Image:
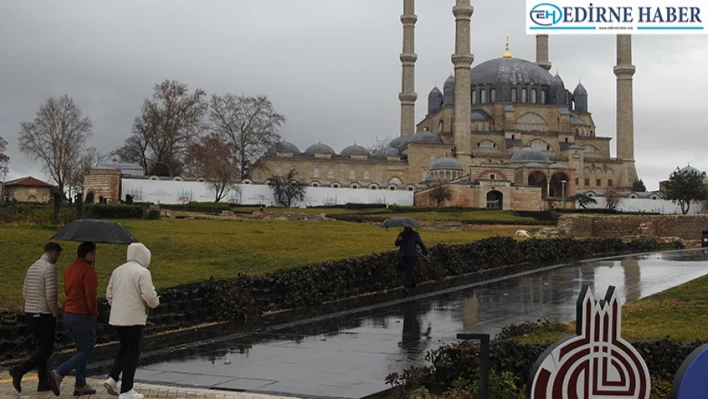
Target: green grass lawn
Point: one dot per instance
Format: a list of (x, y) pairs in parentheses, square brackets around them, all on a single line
[(680, 313), (193, 250)]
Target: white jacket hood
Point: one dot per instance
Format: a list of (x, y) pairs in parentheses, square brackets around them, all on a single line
[(140, 254)]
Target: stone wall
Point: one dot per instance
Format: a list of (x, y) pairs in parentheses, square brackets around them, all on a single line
[(29, 194), (103, 183), (465, 195), (686, 227)]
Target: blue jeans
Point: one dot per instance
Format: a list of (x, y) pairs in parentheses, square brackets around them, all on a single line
[(83, 329)]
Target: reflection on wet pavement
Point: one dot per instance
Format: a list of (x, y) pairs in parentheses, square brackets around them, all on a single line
[(349, 356)]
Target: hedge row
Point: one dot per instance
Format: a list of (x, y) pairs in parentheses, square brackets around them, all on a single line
[(247, 297), (460, 361)]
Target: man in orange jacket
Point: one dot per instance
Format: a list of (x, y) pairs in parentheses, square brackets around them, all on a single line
[(80, 312)]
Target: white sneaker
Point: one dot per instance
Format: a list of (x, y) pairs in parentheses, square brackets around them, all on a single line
[(131, 395), (111, 386)]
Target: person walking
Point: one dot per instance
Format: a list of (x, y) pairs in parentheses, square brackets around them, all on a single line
[(130, 293), (408, 242), (41, 312), (80, 313)]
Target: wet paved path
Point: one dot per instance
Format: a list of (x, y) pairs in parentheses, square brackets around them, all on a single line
[(350, 355), (149, 391)]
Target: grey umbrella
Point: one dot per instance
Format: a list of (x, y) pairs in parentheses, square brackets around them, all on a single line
[(400, 221), (97, 231)]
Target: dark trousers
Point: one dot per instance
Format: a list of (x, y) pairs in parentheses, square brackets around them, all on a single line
[(127, 360), (409, 271), (43, 329), (82, 328)]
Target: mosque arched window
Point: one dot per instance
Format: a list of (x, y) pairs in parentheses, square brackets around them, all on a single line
[(492, 95), (316, 172), (278, 170), (543, 96), (432, 157), (474, 96), (330, 173), (483, 96), (524, 96), (367, 175), (533, 96), (352, 174), (513, 95)]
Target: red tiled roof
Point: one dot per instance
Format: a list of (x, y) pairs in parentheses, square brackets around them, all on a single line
[(28, 181)]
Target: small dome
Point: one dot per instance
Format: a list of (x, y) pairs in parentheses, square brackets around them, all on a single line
[(426, 137), (558, 166), (450, 82), (691, 170), (354, 150), (319, 149), (446, 164), (387, 152), (399, 142), (435, 93), (580, 90), (575, 121), (284, 147), (526, 155), (480, 115), (557, 81)]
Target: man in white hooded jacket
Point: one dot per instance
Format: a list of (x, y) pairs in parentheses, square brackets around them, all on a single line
[(130, 294)]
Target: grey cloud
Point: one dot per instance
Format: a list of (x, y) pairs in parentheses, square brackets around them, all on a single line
[(330, 66)]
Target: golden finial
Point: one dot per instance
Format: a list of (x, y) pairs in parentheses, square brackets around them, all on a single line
[(507, 54)]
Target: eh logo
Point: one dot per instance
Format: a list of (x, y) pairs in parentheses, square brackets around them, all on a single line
[(546, 14)]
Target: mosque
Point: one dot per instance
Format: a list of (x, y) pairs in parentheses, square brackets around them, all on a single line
[(506, 133)]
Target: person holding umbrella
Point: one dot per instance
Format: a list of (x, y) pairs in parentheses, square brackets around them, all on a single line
[(41, 312), (80, 313), (408, 241)]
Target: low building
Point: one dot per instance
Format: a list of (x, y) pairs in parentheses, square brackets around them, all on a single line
[(28, 189)]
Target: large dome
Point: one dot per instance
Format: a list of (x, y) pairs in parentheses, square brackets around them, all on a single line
[(427, 137), (354, 150), (691, 170), (527, 155), (319, 149), (513, 70)]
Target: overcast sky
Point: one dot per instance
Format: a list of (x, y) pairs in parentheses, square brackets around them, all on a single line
[(330, 66)]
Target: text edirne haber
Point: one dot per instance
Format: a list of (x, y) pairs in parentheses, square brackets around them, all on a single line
[(622, 14)]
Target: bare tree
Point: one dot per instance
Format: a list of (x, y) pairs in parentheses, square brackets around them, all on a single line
[(612, 198), (56, 137), (251, 123), (287, 188), (4, 159), (583, 200), (441, 193), (91, 159), (167, 125), (213, 159)]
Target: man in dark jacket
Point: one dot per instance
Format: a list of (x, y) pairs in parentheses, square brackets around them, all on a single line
[(408, 242)]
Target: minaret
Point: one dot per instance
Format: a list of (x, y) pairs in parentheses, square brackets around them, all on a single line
[(542, 52), (624, 70), (462, 60), (408, 59)]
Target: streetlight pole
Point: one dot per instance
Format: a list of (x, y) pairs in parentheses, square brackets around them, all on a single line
[(563, 192)]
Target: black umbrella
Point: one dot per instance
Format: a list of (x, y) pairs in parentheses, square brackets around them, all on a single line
[(97, 231), (400, 221)]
